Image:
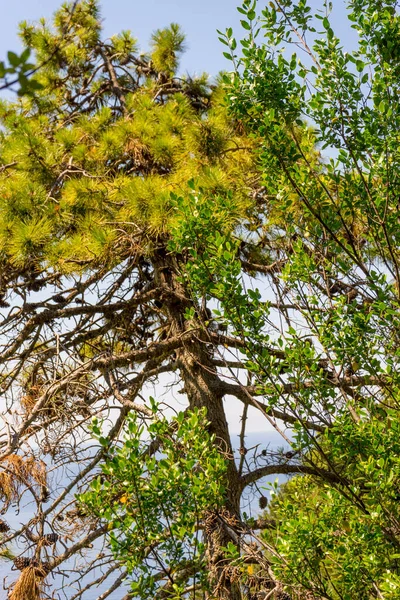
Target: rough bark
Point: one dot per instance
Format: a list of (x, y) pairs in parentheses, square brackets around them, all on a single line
[(203, 388)]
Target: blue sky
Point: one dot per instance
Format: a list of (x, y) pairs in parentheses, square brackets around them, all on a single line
[(198, 18)]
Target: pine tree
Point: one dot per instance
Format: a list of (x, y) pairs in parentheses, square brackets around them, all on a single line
[(133, 214), (94, 179)]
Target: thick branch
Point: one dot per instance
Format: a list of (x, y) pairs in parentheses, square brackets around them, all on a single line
[(285, 469), (244, 394), (274, 267)]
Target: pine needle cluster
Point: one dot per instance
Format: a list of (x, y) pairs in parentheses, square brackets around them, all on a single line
[(92, 159)]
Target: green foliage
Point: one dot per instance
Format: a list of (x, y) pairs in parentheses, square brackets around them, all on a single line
[(82, 170), (213, 269), (342, 542), (160, 200), (94, 171), (152, 503), (325, 230), (18, 72), (167, 45)]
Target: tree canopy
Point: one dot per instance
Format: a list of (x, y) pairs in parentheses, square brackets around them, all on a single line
[(94, 176), (229, 240)]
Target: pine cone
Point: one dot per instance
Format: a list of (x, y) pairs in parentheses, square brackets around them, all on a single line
[(44, 493), (262, 502), (21, 562), (290, 454), (283, 596), (43, 569), (35, 286), (50, 539), (4, 527)]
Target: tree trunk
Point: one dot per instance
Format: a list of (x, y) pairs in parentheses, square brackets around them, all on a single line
[(203, 388)]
